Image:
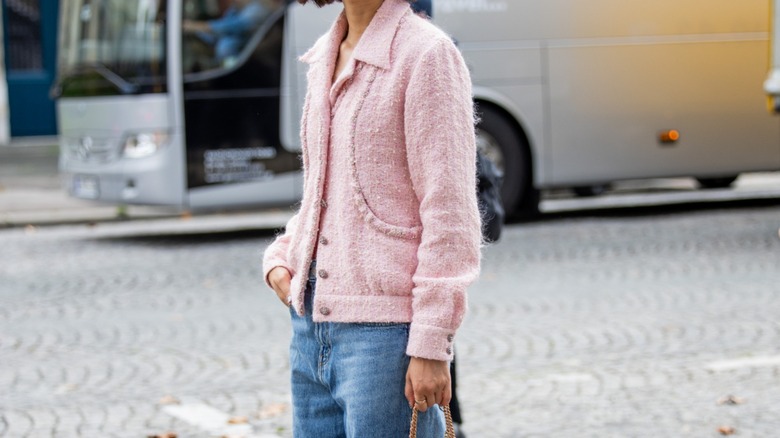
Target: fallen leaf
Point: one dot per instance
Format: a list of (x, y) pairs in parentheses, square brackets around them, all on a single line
[(65, 388), (209, 283), (271, 410), (169, 400), (727, 430), (163, 435), (731, 400), (238, 420)]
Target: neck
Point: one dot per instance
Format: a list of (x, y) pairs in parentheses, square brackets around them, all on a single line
[(359, 14)]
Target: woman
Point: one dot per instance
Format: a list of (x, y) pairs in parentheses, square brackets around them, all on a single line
[(390, 215)]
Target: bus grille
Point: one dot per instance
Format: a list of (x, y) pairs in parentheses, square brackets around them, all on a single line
[(92, 150)]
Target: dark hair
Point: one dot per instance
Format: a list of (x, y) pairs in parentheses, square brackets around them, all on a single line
[(322, 3), (319, 3)]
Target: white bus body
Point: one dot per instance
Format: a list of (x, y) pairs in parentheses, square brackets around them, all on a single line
[(570, 93), (598, 81)]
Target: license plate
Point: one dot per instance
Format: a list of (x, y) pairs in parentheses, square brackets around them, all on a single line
[(85, 186)]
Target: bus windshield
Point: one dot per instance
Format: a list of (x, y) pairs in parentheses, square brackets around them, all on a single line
[(220, 36), (111, 47)]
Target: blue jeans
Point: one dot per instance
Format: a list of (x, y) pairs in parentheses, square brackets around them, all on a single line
[(348, 380)]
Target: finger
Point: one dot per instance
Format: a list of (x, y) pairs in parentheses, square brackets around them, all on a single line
[(430, 399), (282, 297), (438, 397), (422, 404), (279, 278), (282, 289), (282, 286), (408, 391), (446, 396), (285, 285), (422, 400)]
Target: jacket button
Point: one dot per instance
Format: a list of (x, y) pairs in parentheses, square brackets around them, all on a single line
[(324, 311), (450, 338), (323, 203), (449, 350), (323, 240), (322, 273)]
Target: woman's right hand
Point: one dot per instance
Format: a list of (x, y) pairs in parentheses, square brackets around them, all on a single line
[(279, 278)]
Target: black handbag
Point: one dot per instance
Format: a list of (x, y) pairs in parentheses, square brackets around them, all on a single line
[(489, 197)]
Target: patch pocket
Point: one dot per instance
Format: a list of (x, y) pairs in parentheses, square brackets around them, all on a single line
[(382, 226), (376, 135)]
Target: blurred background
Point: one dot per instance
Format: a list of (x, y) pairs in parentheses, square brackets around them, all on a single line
[(149, 153)]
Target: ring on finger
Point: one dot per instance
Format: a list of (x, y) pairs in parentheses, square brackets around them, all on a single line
[(421, 401)]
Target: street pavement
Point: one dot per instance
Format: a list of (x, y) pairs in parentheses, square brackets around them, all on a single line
[(596, 323), (664, 324)]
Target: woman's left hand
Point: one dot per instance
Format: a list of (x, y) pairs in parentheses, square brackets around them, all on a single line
[(428, 383)]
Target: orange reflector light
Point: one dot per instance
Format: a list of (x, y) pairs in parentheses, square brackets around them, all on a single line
[(669, 136)]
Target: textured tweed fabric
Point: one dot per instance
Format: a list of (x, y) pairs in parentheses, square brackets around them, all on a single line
[(389, 205)]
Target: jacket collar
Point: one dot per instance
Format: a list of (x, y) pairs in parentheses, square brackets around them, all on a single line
[(373, 47)]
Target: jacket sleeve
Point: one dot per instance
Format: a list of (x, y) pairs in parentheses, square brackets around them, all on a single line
[(276, 253), (441, 154)]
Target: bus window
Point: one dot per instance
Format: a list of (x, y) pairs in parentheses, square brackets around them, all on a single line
[(222, 34), (111, 47)]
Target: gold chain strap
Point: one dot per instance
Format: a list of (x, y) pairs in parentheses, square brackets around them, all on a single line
[(449, 433)]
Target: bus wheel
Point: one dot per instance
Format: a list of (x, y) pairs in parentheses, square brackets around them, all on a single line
[(716, 183), (500, 142), (588, 191)]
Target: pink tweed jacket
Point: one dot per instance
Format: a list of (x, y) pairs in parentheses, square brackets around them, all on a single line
[(389, 205)]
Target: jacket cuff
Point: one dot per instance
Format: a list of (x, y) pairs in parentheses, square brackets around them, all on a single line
[(429, 342)]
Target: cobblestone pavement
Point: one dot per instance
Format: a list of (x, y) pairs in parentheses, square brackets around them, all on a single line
[(579, 327)]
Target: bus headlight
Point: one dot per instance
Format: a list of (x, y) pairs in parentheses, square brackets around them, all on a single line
[(143, 144)]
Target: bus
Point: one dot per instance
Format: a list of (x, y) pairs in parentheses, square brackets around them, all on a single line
[(570, 94), (772, 83)]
